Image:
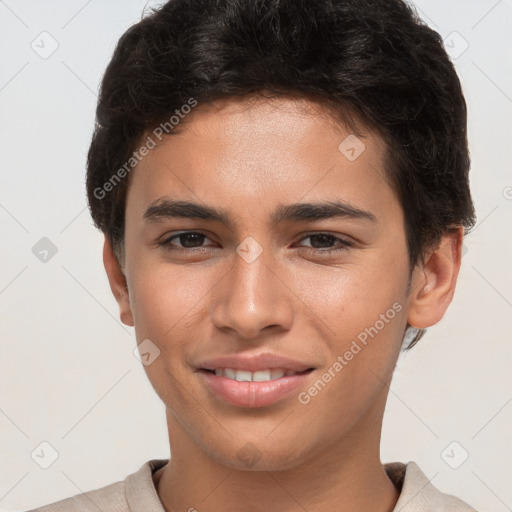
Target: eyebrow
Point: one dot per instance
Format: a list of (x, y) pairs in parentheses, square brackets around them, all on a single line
[(166, 208)]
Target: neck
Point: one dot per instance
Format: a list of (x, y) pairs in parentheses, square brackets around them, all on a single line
[(345, 476)]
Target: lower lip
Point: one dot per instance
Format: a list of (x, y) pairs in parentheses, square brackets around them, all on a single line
[(254, 394)]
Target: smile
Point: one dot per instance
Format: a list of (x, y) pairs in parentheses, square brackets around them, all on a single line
[(258, 376), (243, 388)]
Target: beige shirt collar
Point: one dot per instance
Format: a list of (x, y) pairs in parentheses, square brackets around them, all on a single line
[(417, 494)]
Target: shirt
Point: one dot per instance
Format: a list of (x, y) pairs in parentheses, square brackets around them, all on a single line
[(137, 493)]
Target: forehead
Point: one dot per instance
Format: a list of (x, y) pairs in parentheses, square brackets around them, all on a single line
[(249, 154)]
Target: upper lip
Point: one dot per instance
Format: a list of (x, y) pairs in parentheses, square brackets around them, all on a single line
[(254, 362)]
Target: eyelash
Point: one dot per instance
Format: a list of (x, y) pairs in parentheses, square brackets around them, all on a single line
[(346, 244)]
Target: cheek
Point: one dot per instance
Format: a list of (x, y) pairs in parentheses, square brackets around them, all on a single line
[(166, 302), (362, 322), (351, 299), (166, 299)]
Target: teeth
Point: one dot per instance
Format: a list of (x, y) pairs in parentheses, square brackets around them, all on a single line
[(262, 375), (259, 376), (277, 373), (243, 376), (229, 373)]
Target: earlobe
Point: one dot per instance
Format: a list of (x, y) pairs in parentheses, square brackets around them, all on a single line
[(433, 283), (117, 282)]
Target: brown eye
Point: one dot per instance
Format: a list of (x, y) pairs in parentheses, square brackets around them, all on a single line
[(323, 243), (187, 240)]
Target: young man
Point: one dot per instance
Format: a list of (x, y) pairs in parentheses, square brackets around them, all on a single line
[(283, 189)]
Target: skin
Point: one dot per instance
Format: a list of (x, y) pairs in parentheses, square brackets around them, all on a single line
[(248, 156)]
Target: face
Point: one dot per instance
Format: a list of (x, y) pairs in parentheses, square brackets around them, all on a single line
[(249, 273)]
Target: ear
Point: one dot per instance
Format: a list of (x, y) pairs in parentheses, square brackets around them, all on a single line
[(117, 282), (433, 282)]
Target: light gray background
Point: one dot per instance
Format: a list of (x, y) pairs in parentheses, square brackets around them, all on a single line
[(68, 373)]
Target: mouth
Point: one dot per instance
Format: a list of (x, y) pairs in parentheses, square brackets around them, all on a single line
[(246, 389), (257, 376)]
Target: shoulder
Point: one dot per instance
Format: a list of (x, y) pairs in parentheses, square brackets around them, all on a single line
[(417, 494), (110, 497), (123, 496)]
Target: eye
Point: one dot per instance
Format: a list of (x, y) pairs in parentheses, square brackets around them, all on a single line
[(321, 243), (187, 239), (325, 241)]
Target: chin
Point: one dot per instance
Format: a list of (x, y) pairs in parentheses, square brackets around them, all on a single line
[(251, 458)]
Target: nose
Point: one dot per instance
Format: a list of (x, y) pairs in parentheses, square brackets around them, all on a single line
[(252, 297)]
